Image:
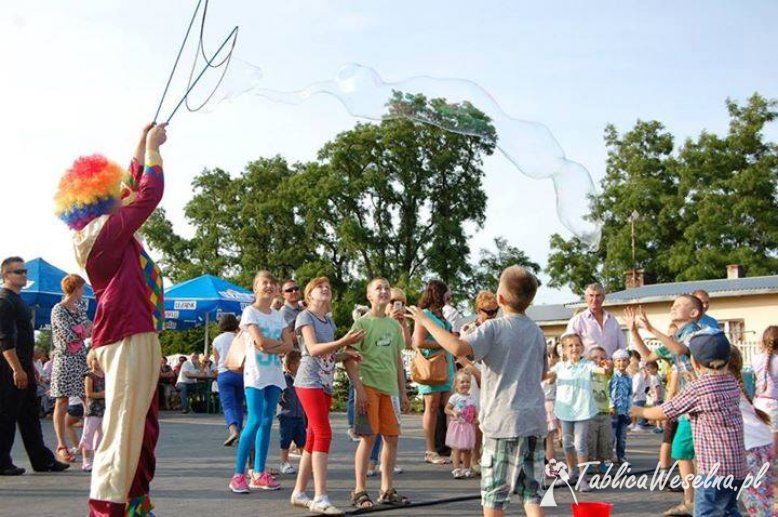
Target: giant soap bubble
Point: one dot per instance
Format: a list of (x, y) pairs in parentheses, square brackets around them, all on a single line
[(529, 146)]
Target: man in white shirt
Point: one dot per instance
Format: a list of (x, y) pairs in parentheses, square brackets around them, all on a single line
[(186, 378)]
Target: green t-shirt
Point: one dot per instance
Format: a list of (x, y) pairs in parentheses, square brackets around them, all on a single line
[(380, 349), (600, 392)]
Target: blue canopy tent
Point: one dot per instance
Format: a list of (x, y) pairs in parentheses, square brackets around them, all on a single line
[(43, 291), (201, 300)]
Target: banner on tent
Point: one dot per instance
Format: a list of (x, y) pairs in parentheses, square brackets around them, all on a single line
[(185, 305)]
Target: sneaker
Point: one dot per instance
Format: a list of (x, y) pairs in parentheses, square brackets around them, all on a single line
[(300, 500), (86, 468), (467, 473), (238, 484), (396, 470), (263, 481), (323, 506), (684, 509), (583, 486), (658, 430), (457, 473), (352, 436), (287, 468), (371, 473)]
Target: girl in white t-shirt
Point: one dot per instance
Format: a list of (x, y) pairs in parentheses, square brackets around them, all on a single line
[(758, 438), (460, 436), (266, 336)]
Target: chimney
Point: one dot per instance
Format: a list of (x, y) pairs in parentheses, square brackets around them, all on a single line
[(637, 278), (735, 271)]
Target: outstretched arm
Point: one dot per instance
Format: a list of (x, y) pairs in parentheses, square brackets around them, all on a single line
[(448, 341)]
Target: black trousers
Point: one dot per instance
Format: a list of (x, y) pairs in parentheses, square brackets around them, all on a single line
[(21, 407)]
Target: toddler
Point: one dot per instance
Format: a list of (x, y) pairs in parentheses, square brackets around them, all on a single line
[(461, 407), (291, 419), (94, 387)]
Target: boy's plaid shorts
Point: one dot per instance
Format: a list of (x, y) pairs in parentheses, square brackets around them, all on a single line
[(511, 466)]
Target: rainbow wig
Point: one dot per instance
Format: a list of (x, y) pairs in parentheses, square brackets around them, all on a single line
[(89, 189)]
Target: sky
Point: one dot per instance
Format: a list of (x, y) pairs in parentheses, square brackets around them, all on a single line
[(83, 77)]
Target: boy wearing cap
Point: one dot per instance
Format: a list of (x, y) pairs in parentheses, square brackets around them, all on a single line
[(620, 389), (712, 404)]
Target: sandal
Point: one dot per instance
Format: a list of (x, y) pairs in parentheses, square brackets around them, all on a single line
[(361, 500), (64, 455), (392, 498)]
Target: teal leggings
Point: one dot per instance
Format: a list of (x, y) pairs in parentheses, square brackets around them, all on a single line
[(261, 410)]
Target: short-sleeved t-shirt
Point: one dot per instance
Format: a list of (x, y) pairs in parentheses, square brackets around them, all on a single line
[(315, 372), (260, 369), (600, 393), (574, 400), (380, 349), (289, 314), (512, 350), (187, 367), (460, 402), (221, 344)]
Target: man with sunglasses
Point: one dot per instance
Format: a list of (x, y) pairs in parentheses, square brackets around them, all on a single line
[(292, 306), (595, 325), (18, 390)]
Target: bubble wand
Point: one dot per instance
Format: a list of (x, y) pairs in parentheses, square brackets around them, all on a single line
[(209, 62)]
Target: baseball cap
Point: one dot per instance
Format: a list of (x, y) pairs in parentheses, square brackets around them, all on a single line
[(711, 348), (620, 354)]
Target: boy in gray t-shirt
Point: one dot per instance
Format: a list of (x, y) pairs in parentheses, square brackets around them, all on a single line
[(513, 419)]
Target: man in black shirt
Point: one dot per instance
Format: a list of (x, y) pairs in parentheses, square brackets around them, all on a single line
[(17, 377)]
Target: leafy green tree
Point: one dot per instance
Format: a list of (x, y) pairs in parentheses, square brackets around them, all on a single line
[(490, 264), (710, 203)]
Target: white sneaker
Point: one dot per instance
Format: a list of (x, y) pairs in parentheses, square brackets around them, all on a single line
[(287, 468), (583, 486), (300, 500), (352, 436), (397, 469)]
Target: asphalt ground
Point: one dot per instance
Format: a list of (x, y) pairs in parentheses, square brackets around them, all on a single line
[(194, 468)]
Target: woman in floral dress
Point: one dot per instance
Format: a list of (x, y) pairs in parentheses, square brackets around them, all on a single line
[(70, 327)]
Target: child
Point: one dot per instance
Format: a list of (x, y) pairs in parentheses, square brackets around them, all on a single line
[(759, 447), (291, 418), (266, 336), (677, 438), (379, 385), (655, 390), (712, 403), (461, 427), (575, 405), (94, 386), (639, 387), (549, 392), (600, 443), (620, 389), (512, 351)]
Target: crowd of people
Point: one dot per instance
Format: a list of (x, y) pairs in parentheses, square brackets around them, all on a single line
[(498, 400)]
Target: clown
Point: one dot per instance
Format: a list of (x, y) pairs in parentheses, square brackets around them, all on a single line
[(106, 206)]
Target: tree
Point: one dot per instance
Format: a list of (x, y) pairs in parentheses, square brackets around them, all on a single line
[(390, 199), (491, 263), (708, 204)]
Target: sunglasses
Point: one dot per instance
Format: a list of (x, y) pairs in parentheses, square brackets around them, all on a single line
[(489, 312), (291, 289), (18, 271)]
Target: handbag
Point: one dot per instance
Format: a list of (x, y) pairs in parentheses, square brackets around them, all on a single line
[(236, 355), (430, 371)]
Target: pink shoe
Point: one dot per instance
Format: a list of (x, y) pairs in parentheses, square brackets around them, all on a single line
[(264, 481), (238, 484)]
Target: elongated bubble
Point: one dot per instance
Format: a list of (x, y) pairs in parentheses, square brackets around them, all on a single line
[(529, 146)]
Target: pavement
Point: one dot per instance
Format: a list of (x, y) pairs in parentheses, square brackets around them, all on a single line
[(194, 468)]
